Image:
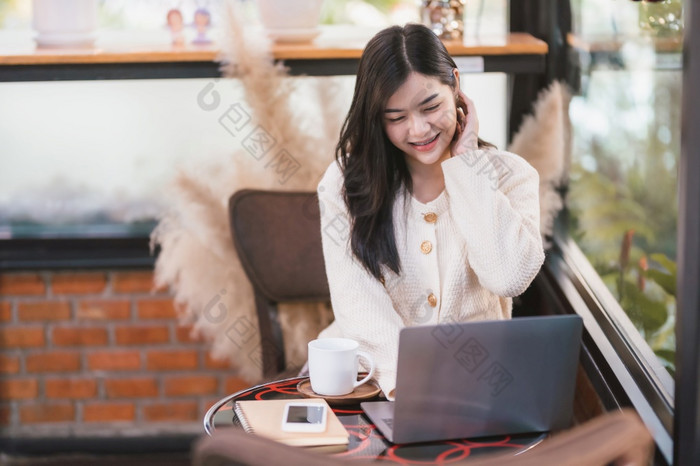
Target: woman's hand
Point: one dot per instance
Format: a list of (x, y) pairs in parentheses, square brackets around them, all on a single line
[(467, 132)]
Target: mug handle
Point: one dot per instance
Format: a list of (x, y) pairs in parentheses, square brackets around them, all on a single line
[(362, 354)]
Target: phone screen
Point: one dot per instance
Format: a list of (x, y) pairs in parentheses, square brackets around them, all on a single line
[(305, 414)]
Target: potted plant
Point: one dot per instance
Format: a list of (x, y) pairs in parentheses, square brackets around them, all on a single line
[(65, 23), (290, 20)]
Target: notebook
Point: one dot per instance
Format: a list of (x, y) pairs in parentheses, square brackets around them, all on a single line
[(264, 418), (476, 379)]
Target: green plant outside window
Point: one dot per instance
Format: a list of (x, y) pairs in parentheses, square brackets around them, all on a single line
[(623, 190)]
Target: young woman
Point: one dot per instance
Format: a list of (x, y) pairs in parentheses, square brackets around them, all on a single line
[(422, 222)]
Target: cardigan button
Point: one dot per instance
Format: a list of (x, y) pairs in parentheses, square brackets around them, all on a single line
[(426, 247), (430, 217), (432, 300)]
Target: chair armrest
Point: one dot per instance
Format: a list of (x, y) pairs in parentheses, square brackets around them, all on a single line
[(233, 446), (619, 438)]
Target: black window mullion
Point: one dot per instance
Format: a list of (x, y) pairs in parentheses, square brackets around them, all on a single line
[(687, 413)]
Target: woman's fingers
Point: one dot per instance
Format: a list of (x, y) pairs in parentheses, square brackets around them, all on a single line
[(461, 121), (468, 138), (462, 103), (472, 119)]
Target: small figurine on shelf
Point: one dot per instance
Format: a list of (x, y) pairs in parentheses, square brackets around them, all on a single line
[(202, 21), (176, 26), (444, 17)]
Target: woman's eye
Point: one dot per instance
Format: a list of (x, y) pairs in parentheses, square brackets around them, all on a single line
[(393, 120), (434, 107)]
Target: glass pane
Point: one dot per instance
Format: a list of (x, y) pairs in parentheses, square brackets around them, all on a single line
[(626, 148), (94, 158)]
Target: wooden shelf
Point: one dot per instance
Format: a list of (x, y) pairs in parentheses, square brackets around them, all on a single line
[(607, 44), (607, 50), (335, 51)]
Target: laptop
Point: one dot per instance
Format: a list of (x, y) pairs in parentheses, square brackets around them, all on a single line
[(477, 379)]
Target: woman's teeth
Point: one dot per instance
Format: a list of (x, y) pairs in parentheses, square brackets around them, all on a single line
[(426, 142)]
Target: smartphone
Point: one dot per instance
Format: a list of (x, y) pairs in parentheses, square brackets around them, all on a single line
[(304, 417)]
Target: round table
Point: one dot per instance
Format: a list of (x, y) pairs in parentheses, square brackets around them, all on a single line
[(366, 441)]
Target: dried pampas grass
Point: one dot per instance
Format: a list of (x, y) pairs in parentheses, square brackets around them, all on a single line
[(544, 140), (197, 258)]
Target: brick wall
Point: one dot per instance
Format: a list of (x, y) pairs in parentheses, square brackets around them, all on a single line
[(82, 348)]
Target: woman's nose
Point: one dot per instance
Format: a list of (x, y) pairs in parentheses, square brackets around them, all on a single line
[(418, 126)]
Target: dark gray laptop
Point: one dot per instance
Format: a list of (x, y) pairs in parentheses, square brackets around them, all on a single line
[(478, 379)]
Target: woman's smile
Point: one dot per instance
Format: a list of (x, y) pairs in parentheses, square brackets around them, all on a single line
[(427, 144)]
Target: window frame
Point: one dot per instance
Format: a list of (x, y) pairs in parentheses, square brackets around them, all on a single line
[(127, 252), (622, 376), (687, 415)]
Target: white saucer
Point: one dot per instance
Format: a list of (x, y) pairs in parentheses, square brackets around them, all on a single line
[(292, 35)]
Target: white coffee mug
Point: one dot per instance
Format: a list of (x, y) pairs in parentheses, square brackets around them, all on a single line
[(333, 366)]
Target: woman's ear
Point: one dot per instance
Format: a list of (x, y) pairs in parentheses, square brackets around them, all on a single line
[(455, 72)]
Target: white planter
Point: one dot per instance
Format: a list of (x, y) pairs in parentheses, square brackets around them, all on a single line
[(65, 23), (290, 20)]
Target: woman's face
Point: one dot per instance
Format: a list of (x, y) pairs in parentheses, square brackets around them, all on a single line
[(420, 120)]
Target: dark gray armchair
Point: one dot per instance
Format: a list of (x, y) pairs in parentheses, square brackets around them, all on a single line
[(277, 236)]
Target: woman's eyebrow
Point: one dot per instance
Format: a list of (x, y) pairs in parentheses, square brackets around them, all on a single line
[(425, 101)]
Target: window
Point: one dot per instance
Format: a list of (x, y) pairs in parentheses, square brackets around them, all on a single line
[(623, 191), (626, 147), (93, 159)]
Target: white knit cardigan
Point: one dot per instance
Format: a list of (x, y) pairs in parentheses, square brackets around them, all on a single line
[(481, 248)]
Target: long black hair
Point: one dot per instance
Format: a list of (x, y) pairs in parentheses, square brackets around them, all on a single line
[(374, 169)]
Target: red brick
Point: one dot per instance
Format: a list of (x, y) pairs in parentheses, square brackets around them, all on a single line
[(78, 283), (114, 360), (5, 413), (9, 364), (27, 337), (132, 282), (211, 363), (79, 336), (171, 360), (131, 388), (54, 361), (173, 411), (5, 311), (141, 335), (46, 412), (43, 311), (70, 388), (156, 309), (22, 284), (102, 309), (191, 385), (18, 389), (235, 384), (108, 412)]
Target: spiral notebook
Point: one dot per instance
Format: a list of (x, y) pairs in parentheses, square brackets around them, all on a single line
[(264, 418)]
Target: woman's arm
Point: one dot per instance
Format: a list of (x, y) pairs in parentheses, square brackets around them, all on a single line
[(494, 199), (362, 307)]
